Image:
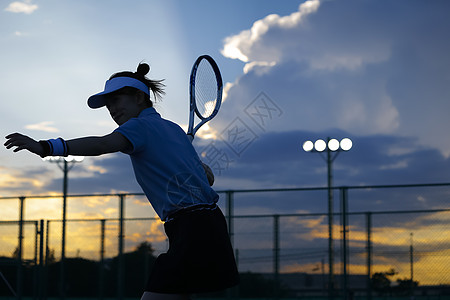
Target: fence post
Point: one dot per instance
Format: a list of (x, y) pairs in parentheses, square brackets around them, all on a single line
[(411, 264), (120, 273), (20, 249), (41, 261), (229, 215), (102, 259), (276, 254), (344, 220), (35, 261), (369, 254), (229, 203), (46, 262)]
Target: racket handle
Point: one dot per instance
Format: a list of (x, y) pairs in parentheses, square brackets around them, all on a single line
[(191, 137)]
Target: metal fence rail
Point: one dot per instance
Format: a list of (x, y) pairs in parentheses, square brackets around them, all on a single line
[(286, 250)]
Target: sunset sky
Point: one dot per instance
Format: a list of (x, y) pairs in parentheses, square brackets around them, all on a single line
[(375, 71)]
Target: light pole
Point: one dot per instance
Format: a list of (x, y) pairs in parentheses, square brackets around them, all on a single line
[(65, 164), (332, 147)]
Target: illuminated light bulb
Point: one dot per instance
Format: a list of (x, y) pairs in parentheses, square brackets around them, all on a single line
[(346, 144), (333, 145), (320, 145), (308, 146)]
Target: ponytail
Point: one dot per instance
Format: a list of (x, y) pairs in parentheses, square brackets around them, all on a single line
[(156, 86)]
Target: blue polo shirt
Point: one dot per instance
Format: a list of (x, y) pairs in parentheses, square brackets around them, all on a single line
[(166, 164)]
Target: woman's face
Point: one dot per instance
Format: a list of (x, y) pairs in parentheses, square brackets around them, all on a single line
[(123, 107)]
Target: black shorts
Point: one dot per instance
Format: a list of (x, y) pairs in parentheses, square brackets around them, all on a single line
[(200, 257)]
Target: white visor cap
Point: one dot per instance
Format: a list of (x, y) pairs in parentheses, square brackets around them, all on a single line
[(115, 84)]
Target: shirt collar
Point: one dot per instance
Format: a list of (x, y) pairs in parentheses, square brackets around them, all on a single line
[(148, 111)]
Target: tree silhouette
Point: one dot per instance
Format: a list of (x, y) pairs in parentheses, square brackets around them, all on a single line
[(405, 286), (137, 267), (381, 282)]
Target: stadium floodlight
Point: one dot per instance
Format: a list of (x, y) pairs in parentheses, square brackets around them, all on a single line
[(70, 158), (332, 147), (331, 144)]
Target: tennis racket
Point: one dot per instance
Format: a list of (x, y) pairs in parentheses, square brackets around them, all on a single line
[(205, 93)]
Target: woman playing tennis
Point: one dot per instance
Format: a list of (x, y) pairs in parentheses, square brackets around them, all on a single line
[(200, 257)]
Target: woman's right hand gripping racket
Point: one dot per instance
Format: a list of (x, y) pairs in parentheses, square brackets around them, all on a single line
[(205, 92)]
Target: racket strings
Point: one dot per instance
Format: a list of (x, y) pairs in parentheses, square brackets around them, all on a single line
[(206, 89)]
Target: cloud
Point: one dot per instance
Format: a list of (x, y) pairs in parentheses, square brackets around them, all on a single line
[(43, 126), (112, 173), (33, 180), (156, 233), (276, 159), (348, 65), (19, 33), (243, 46), (25, 7)]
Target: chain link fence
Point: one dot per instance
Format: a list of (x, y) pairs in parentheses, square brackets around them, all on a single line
[(386, 241)]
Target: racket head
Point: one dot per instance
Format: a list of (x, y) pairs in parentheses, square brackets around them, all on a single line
[(205, 91)]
